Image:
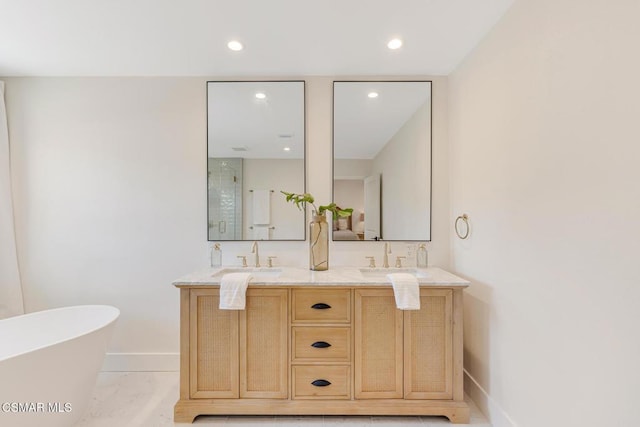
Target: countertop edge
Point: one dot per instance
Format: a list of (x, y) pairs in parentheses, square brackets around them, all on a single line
[(337, 277), (318, 285)]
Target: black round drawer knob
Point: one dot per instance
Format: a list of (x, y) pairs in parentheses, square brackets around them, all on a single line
[(320, 306), (320, 344), (320, 383)]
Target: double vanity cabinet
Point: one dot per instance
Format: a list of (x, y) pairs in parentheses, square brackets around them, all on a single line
[(321, 343)]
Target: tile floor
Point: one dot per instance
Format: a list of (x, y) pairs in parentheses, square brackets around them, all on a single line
[(146, 399)]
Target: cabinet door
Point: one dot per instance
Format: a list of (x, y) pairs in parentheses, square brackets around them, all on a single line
[(264, 344), (213, 358), (428, 344), (378, 345)]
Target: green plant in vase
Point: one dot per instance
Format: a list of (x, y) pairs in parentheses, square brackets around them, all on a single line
[(318, 228)]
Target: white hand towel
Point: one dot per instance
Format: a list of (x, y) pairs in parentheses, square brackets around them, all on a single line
[(233, 288), (261, 207), (260, 232), (406, 291)]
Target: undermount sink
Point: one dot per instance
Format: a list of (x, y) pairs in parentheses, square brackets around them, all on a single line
[(257, 272), (377, 273)]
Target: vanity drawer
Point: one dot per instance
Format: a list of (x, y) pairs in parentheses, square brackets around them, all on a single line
[(317, 343), (320, 382), (321, 306)]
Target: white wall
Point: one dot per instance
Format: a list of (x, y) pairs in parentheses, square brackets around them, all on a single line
[(351, 168), (545, 148), (349, 193), (402, 179), (277, 175), (110, 183)]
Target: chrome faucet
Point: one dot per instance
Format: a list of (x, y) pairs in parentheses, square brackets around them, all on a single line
[(254, 250), (385, 257)]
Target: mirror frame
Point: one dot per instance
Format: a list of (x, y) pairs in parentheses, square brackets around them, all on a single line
[(304, 158), (333, 141)]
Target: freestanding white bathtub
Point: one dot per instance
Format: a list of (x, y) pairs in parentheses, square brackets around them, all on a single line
[(49, 362)]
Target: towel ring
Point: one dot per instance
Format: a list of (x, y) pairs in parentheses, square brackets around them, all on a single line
[(465, 219)]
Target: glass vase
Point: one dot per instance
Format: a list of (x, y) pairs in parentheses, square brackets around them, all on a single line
[(318, 243)]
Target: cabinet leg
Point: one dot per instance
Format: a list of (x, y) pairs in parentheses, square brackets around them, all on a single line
[(182, 413), (458, 416)]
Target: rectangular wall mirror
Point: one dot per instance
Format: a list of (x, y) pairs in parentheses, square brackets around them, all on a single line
[(382, 159), (255, 149)]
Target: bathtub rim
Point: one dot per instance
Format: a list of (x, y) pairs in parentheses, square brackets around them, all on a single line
[(114, 311)]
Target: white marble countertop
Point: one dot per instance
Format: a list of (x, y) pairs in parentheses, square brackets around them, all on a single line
[(335, 276)]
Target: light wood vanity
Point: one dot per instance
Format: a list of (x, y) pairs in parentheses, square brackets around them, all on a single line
[(318, 348)]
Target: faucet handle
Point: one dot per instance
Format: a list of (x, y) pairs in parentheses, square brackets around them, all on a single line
[(372, 261), (244, 260), (399, 261), (270, 260)]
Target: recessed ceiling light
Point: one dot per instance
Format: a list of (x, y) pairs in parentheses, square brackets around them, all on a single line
[(260, 95), (394, 44), (287, 149), (235, 45), (373, 94)]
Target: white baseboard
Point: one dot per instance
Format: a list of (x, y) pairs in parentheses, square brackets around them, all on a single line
[(494, 413), (141, 362)]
